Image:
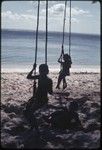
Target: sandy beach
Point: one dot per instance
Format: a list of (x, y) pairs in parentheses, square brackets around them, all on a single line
[(16, 90)]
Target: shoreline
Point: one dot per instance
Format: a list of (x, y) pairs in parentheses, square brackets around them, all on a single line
[(54, 70)]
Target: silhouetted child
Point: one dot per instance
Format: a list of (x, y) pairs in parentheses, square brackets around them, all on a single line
[(65, 66), (65, 118), (41, 95), (44, 84)]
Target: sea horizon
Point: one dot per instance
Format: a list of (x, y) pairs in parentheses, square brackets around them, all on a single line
[(50, 31)]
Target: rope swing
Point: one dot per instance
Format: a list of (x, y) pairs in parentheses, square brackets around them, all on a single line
[(64, 25), (70, 30), (46, 31), (36, 42), (64, 19), (36, 48), (65, 59)]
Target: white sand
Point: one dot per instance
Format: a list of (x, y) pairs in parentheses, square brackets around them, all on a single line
[(83, 87)]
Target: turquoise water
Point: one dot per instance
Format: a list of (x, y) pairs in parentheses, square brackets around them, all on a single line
[(18, 50)]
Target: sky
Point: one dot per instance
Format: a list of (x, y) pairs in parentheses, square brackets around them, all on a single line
[(23, 15)]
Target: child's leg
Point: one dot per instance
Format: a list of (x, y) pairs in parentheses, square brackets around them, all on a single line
[(59, 80), (64, 80), (64, 83)]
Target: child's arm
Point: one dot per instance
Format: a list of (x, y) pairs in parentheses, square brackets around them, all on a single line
[(30, 76), (62, 53), (59, 60)]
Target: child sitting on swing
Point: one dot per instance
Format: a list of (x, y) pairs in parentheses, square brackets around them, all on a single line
[(44, 84), (41, 95), (65, 66)]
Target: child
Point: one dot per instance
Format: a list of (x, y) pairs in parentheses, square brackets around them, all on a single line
[(44, 84), (65, 65), (41, 95)]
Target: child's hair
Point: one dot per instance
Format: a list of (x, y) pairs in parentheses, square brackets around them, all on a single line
[(66, 57), (43, 69)]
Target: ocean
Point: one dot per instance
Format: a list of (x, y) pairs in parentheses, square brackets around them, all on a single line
[(18, 51)]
